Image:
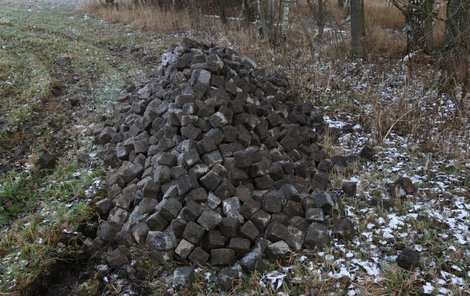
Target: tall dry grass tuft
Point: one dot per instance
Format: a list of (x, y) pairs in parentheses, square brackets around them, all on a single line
[(439, 28), (335, 11), (383, 14), (144, 18), (384, 26), (312, 65), (384, 42)]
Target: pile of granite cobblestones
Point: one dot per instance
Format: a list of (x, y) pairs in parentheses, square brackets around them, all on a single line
[(217, 161)]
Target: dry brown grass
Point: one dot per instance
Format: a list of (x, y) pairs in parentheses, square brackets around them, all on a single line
[(300, 53), (381, 13), (336, 12), (439, 28), (143, 18), (384, 24), (384, 42)]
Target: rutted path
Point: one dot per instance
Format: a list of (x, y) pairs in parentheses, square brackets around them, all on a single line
[(59, 69), (50, 3), (75, 63)]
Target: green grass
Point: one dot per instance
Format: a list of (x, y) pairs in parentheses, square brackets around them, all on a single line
[(46, 50), (399, 282), (49, 56), (21, 193), (14, 190), (51, 206)]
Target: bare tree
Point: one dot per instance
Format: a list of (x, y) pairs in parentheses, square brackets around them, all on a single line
[(345, 4), (193, 13), (285, 18), (263, 19), (223, 15), (457, 34), (358, 30), (457, 44), (317, 9), (248, 11), (419, 15), (273, 19), (321, 18)]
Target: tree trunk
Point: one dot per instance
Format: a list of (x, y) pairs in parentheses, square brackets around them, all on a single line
[(416, 22), (419, 16), (358, 31), (321, 18), (317, 13), (458, 25), (285, 18), (193, 13), (248, 11), (457, 42), (431, 14), (263, 19), (271, 9), (223, 16)]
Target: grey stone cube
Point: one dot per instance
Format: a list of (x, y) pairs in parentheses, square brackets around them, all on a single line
[(169, 208), (184, 248), (139, 232), (315, 215), (161, 241), (276, 232), (249, 207), (223, 256), (183, 276), (240, 245), (214, 239), (193, 232), (316, 236), (261, 219), (229, 226), (211, 180), (278, 250), (252, 261), (199, 256), (209, 219), (249, 231)]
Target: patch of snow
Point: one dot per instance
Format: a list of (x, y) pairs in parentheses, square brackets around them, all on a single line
[(371, 268), (428, 288)]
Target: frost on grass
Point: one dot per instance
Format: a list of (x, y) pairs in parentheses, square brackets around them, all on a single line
[(434, 222), (435, 219)]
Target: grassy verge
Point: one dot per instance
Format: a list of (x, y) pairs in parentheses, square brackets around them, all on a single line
[(56, 215), (55, 64), (59, 69)]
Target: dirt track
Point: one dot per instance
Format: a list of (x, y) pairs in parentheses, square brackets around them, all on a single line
[(54, 3), (60, 68)]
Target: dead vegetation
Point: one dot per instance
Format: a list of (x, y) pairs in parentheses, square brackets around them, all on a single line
[(317, 59), (320, 70), (387, 95)]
